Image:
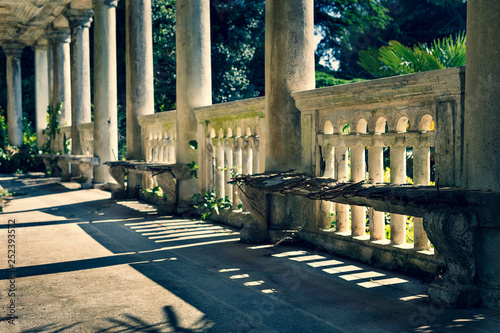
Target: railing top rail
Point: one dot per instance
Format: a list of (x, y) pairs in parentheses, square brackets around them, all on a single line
[(86, 126), (245, 107), (427, 85), (157, 118)]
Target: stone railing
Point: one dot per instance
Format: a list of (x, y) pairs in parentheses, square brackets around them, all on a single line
[(231, 138), (356, 132), (158, 136), (86, 132), (158, 141)]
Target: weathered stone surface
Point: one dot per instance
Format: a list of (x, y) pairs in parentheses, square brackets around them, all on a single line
[(451, 232)]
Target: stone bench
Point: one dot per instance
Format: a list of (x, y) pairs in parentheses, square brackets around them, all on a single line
[(166, 177), (85, 164)]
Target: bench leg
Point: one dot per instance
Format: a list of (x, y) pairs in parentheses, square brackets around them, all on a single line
[(118, 174), (168, 184), (64, 165), (48, 164), (87, 170)]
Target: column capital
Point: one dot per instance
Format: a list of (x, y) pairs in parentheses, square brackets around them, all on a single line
[(79, 17), (61, 35), (110, 3), (13, 49)]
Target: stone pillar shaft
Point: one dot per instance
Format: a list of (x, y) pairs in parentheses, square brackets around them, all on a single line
[(41, 91), (289, 67), (481, 123), (62, 74), (14, 94), (105, 87), (194, 80), (140, 87), (80, 74)]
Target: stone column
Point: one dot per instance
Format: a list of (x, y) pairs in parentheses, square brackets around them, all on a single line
[(14, 93), (60, 39), (481, 123), (79, 21), (41, 89), (289, 67), (105, 87), (194, 82), (140, 85)]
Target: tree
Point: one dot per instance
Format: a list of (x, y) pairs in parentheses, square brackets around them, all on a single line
[(343, 24), (397, 59), (411, 22), (237, 39)]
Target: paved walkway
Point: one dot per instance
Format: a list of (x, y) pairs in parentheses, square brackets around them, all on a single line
[(84, 263)]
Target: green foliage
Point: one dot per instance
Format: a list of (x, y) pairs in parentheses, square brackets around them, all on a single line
[(193, 144), (397, 59), (342, 24), (53, 127), (19, 159), (193, 169), (237, 39), (3, 131), (206, 204), (164, 52), (324, 79)]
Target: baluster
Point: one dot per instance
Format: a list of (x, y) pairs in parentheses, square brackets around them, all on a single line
[(237, 162), (341, 165), (398, 176), (165, 148), (228, 162), (358, 173), (376, 171), (210, 167), (327, 207), (255, 154), (219, 169), (171, 150), (247, 160), (421, 176)]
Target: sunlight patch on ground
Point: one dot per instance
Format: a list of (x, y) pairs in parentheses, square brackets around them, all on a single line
[(325, 263), (288, 254), (307, 258), (384, 282), (359, 276), (342, 269)]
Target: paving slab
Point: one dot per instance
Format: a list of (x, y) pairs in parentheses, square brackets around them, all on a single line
[(87, 263)]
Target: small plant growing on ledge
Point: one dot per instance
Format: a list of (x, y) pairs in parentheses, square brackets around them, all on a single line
[(206, 204)]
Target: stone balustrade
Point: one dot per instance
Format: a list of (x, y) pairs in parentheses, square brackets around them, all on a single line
[(355, 132), (230, 140), (86, 132), (158, 136)]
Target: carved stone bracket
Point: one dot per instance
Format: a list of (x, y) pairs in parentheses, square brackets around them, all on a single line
[(168, 184), (87, 170), (254, 200), (118, 174), (451, 232), (64, 165)]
